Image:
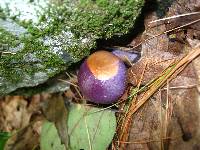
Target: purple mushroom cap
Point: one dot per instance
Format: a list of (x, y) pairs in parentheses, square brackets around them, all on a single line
[(132, 57), (102, 90)]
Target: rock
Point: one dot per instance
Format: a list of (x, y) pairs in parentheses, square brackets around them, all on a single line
[(40, 39)]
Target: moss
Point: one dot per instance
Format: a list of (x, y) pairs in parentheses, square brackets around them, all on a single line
[(2, 14), (7, 39), (88, 19), (104, 18), (75, 25), (49, 59), (13, 67), (100, 18)]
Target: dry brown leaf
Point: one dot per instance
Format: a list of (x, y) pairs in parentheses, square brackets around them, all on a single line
[(171, 116), (26, 138), (55, 111)]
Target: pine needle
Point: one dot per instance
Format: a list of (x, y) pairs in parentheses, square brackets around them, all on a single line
[(168, 74)]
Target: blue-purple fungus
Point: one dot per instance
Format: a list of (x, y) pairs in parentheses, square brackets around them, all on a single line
[(102, 78), (125, 55)]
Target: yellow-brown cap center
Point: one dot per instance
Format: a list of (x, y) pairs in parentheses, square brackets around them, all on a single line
[(103, 64)]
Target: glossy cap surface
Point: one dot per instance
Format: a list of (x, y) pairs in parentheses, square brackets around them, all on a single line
[(103, 65), (102, 78)]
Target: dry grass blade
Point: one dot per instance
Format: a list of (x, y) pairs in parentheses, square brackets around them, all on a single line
[(178, 67), (173, 17), (4, 52), (88, 133), (149, 141), (126, 120), (161, 121), (78, 121), (170, 73), (182, 87), (168, 31), (72, 82), (68, 82)]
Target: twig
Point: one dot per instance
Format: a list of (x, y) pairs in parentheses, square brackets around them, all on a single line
[(89, 142), (182, 87), (168, 31), (183, 62), (173, 17), (161, 122), (68, 82), (149, 141), (4, 52), (171, 72)]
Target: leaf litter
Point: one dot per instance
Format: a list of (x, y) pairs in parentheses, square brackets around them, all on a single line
[(175, 111), (161, 113)]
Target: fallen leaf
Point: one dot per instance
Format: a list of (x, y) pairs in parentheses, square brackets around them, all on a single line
[(171, 116), (89, 129), (55, 111)]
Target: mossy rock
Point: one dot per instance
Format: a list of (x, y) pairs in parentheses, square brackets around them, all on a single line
[(39, 39)]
